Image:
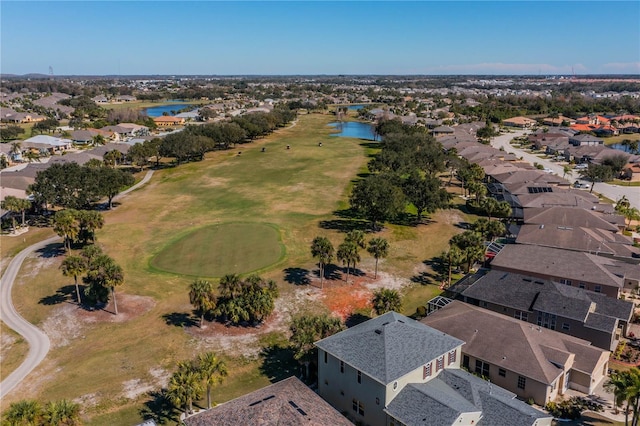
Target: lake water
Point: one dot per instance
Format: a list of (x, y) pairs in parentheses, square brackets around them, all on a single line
[(354, 129), (621, 147), (355, 107), (157, 111)]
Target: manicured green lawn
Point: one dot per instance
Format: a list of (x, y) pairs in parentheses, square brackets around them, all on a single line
[(230, 248), (617, 139)]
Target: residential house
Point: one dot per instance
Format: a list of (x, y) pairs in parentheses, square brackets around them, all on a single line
[(571, 310), (531, 361), (87, 136), (551, 143), (590, 240), (584, 139), (168, 121), (521, 122), (442, 130), (580, 269), (558, 121), (392, 370), (584, 154), (47, 143), (571, 217), (631, 172), (288, 402)]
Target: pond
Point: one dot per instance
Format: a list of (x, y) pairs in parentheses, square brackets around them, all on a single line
[(621, 147), (354, 129), (168, 108)]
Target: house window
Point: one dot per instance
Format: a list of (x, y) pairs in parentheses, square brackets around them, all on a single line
[(482, 368), (522, 316), (565, 326), (502, 372), (452, 357), (426, 371), (483, 304), (342, 366), (465, 361), (325, 358), (359, 376), (582, 285), (522, 382), (598, 289), (547, 320), (564, 281), (440, 363), (358, 407)]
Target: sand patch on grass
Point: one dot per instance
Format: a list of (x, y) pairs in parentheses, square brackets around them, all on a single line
[(6, 343)]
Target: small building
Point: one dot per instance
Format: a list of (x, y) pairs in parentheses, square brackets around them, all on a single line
[(584, 139), (392, 370), (168, 121), (521, 122), (530, 361), (286, 403)]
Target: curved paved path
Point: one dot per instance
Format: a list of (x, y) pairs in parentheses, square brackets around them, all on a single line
[(37, 340)]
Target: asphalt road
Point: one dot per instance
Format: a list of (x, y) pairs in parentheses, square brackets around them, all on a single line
[(613, 192), (37, 340)]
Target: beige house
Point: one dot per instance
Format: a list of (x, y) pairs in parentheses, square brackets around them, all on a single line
[(521, 122), (392, 370), (168, 121), (531, 361)]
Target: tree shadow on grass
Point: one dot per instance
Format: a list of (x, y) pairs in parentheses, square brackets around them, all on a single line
[(297, 276), (51, 250), (438, 271), (180, 319), (63, 294), (159, 409), (278, 363)]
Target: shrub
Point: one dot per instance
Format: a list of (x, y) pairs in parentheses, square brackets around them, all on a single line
[(421, 312)]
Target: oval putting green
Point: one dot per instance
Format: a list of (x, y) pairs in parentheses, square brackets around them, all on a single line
[(230, 248)]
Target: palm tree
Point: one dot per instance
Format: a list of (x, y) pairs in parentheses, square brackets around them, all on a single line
[(322, 249), (567, 170), (90, 221), (378, 248), (14, 205), (386, 300), (16, 148), (32, 156), (73, 266), (493, 207), (357, 237), (66, 224), (114, 277), (62, 413), (25, 412), (184, 387), (230, 286), (619, 383), (348, 254), (212, 370), (201, 296), (454, 257), (99, 140)]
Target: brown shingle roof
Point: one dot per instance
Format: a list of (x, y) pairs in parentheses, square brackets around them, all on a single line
[(519, 346), (286, 403)]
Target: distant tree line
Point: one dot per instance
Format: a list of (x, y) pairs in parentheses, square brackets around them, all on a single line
[(195, 141)]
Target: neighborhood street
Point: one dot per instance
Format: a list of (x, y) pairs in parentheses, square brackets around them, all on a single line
[(613, 192)]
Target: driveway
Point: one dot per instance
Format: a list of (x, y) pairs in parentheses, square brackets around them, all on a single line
[(613, 192)]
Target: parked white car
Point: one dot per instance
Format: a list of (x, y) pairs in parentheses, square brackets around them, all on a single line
[(582, 166)]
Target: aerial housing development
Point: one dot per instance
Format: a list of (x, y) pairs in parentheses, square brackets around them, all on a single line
[(305, 213)]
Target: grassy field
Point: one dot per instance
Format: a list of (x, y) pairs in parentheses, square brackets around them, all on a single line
[(149, 104), (617, 139), (110, 363), (230, 248), (13, 350)]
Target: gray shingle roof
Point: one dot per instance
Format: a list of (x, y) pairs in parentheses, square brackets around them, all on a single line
[(389, 346), (286, 403), (535, 294), (441, 400)]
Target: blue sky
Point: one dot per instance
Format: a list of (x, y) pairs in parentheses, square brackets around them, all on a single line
[(360, 37)]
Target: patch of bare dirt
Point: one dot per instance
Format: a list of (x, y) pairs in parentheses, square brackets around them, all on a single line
[(34, 264), (62, 326), (6, 343), (32, 385), (88, 400), (132, 389), (130, 306), (450, 217)]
